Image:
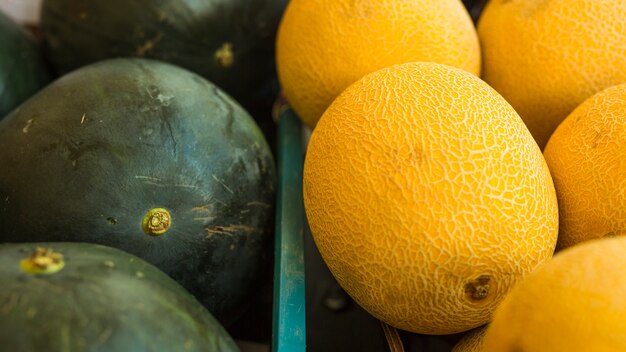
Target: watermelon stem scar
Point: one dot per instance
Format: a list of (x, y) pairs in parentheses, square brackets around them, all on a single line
[(156, 222), (42, 261), (224, 55)]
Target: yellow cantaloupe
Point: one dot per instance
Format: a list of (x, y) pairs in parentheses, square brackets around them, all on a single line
[(586, 157), (323, 46), (547, 57), (574, 302), (427, 197)]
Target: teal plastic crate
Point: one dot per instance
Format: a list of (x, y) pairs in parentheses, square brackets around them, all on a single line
[(289, 315)]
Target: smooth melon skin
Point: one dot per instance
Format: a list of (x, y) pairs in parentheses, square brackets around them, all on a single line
[(586, 158), (22, 69), (102, 299), (547, 57), (323, 46), (229, 42), (88, 157), (575, 302), (427, 197)]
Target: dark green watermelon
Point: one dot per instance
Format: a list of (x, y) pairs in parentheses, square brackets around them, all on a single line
[(87, 297), (229, 42), (22, 70), (91, 156)]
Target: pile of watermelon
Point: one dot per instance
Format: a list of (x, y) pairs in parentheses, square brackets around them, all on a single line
[(137, 189)]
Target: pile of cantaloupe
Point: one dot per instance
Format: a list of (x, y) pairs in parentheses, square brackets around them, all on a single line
[(448, 162)]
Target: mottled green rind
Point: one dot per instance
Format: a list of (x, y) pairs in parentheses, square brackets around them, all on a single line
[(86, 158), (184, 32), (102, 300), (22, 70)]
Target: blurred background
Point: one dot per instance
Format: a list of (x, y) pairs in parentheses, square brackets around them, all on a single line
[(24, 11)]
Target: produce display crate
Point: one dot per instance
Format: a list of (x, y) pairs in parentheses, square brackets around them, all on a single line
[(323, 318), (289, 315), (311, 311)]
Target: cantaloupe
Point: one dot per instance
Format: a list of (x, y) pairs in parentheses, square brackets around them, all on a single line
[(547, 57), (427, 197), (586, 158), (325, 45), (575, 302)]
